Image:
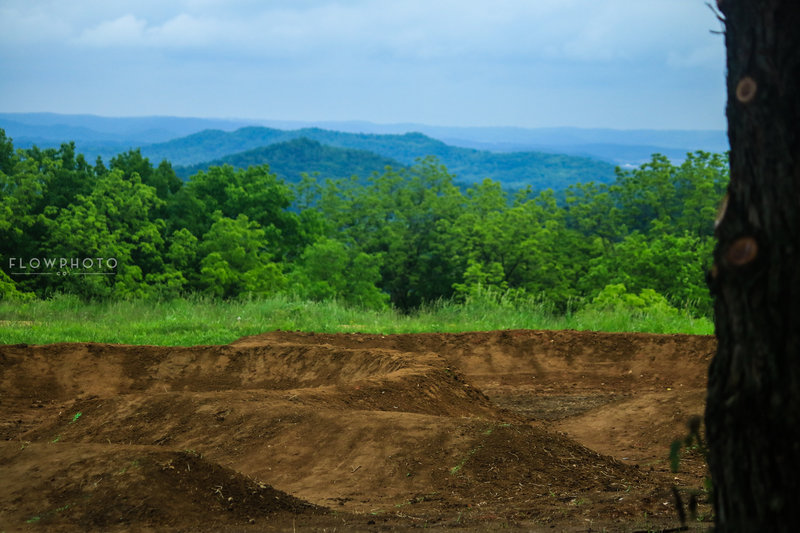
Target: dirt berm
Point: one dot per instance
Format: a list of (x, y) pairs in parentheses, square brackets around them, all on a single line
[(289, 431)]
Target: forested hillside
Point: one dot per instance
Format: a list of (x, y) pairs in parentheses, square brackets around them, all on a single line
[(403, 237), (107, 136), (291, 159), (368, 152), (516, 169)]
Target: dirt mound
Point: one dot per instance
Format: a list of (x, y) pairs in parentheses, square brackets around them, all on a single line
[(102, 488), (559, 360), (473, 430), (622, 393), (62, 372)]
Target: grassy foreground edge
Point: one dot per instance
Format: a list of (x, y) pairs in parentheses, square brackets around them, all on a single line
[(199, 320)]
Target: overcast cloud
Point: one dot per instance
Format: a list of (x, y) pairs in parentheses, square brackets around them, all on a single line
[(609, 63)]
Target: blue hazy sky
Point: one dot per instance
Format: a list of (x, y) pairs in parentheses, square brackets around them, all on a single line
[(530, 63)]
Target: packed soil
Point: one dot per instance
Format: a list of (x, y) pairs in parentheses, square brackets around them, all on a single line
[(290, 431)]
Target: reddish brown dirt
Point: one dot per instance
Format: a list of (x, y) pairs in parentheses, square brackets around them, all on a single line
[(539, 430)]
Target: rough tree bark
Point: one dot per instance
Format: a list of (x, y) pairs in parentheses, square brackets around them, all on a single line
[(753, 405)]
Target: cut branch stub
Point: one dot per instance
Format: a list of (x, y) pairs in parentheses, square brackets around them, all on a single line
[(746, 90), (743, 251)]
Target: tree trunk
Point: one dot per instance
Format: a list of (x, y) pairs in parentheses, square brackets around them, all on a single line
[(753, 405)]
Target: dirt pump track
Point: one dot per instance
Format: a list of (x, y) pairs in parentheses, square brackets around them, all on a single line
[(291, 431)]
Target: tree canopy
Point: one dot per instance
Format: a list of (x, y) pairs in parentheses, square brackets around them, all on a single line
[(405, 236)]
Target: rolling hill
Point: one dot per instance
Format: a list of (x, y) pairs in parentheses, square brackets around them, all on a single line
[(107, 136), (513, 169), (541, 157), (289, 159)]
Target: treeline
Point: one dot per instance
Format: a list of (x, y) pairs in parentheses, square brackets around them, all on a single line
[(403, 237)]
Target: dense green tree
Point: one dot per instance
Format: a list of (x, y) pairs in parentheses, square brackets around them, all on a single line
[(701, 183), (181, 266), (522, 246), (682, 198), (21, 206), (254, 192), (593, 210), (7, 155), (9, 290), (110, 223), (132, 162), (235, 260), (161, 178), (647, 193), (479, 277), (328, 270), (396, 215), (182, 251), (38, 183), (408, 234), (616, 297), (65, 175), (672, 265)]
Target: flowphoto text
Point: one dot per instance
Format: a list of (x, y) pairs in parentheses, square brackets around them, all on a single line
[(62, 266)]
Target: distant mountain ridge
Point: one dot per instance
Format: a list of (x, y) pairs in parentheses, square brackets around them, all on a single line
[(290, 159), (622, 147), (106, 136), (515, 170), (543, 157), (51, 127)]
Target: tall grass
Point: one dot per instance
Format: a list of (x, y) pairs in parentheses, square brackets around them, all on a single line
[(200, 320)]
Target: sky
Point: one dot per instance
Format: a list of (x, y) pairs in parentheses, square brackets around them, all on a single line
[(644, 64)]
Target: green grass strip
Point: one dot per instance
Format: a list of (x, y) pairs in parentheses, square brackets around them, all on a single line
[(199, 320)]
